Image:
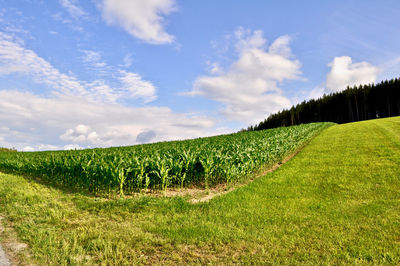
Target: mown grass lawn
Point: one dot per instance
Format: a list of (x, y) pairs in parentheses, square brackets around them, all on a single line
[(337, 201)]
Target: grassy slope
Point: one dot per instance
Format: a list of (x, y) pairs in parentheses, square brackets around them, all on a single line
[(337, 201)]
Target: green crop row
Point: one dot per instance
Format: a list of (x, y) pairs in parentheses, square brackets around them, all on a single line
[(198, 162)]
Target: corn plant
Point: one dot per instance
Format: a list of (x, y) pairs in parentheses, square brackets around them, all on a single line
[(208, 161)]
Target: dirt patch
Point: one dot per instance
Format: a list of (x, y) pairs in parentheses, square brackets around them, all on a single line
[(3, 258), (12, 247)]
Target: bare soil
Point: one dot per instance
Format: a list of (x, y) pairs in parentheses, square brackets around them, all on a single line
[(11, 246)]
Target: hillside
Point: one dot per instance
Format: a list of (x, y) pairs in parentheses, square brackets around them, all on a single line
[(335, 202)]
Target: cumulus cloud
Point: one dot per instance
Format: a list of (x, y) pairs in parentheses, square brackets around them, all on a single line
[(14, 58), (246, 39), (141, 19), (79, 134), (33, 120), (281, 46), (345, 73), (249, 88)]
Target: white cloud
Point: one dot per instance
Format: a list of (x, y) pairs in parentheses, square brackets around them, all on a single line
[(136, 87), (84, 114), (316, 93), (249, 89), (42, 147), (82, 134), (128, 60), (14, 58), (79, 134), (47, 147), (72, 147), (33, 120), (345, 73), (74, 10), (93, 58), (28, 148), (70, 23), (281, 46), (214, 68), (142, 19), (249, 40)]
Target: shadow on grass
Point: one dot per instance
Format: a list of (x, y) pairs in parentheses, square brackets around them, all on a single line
[(111, 203)]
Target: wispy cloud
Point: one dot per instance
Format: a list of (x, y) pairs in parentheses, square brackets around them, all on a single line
[(72, 8), (15, 58), (128, 61), (93, 58), (74, 25)]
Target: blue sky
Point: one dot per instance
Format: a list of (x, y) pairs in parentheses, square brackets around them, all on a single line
[(78, 74)]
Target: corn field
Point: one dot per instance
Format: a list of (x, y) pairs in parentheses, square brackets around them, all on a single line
[(200, 162)]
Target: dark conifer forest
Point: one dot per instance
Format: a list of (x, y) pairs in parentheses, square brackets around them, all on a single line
[(353, 104)]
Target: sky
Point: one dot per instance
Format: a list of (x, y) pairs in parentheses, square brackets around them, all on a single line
[(99, 73)]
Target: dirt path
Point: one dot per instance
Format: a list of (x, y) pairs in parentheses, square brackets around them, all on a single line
[(12, 245), (3, 259)]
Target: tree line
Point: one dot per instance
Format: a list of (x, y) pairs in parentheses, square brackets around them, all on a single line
[(356, 103), (6, 149)]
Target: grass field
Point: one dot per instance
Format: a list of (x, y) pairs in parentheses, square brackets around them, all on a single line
[(337, 201)]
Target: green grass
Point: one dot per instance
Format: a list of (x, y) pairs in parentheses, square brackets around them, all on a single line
[(336, 202)]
